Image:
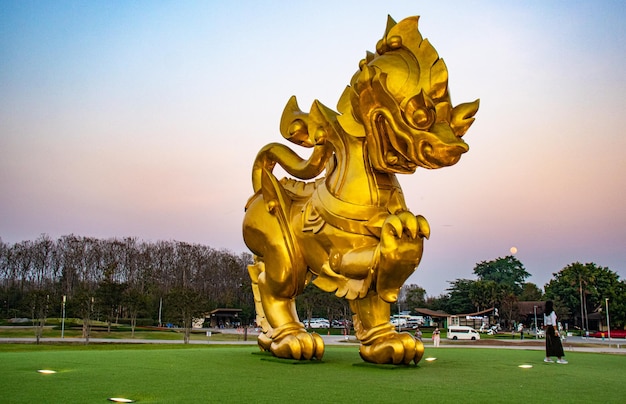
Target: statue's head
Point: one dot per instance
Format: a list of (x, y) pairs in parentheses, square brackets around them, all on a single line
[(399, 101)]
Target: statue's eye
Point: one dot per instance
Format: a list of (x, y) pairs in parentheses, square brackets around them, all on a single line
[(422, 118), (418, 114)]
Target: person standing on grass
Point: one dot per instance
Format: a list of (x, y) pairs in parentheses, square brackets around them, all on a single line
[(436, 337), (553, 340)]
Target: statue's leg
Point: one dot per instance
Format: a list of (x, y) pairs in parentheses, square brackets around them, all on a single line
[(380, 342), (279, 274), (279, 285), (255, 270)]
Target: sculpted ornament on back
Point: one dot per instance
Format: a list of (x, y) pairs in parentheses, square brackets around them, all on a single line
[(350, 231)]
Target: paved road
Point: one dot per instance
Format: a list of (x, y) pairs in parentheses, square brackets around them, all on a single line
[(572, 344)]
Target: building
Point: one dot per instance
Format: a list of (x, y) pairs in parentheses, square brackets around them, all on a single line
[(474, 320), (224, 318)]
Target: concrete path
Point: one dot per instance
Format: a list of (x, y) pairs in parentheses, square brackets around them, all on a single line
[(572, 344)]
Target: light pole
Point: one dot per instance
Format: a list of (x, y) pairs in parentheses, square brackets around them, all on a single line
[(63, 320), (536, 326), (160, 309), (608, 325)]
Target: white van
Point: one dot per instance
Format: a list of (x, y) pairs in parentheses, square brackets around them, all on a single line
[(462, 332)]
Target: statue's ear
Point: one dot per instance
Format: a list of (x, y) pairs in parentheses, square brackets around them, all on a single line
[(463, 117)]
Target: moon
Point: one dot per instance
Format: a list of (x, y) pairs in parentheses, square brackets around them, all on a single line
[(513, 250)]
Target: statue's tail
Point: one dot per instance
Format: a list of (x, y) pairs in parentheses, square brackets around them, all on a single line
[(309, 130)]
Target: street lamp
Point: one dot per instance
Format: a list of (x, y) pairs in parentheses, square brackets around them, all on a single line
[(160, 309), (608, 326), (536, 327)]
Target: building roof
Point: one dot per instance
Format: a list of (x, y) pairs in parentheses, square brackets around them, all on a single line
[(225, 311), (432, 313), (478, 313), (439, 314), (527, 308)]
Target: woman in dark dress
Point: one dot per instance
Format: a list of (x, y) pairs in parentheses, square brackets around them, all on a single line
[(553, 340)]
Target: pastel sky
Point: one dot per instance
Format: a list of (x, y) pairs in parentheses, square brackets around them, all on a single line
[(143, 118)]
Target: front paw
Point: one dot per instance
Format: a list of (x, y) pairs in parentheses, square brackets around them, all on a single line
[(395, 348), (400, 251), (299, 345)]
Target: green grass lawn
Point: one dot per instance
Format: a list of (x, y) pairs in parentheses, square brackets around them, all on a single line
[(173, 334), (241, 373)]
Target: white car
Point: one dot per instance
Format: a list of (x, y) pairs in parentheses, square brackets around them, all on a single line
[(317, 323)]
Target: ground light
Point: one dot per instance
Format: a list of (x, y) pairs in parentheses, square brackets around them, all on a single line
[(46, 371), (430, 359), (525, 366), (121, 400)]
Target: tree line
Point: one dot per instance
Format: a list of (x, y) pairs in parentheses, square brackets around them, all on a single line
[(113, 279), (578, 291), (153, 283)]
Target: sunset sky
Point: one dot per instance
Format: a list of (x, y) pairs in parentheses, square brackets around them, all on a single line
[(142, 119)]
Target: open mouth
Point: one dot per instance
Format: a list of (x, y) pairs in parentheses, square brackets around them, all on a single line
[(395, 147), (402, 151)]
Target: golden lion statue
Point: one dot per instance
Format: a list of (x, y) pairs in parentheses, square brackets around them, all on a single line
[(350, 231)]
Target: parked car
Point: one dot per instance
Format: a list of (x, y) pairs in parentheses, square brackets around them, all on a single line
[(317, 323), (340, 323), (413, 324)]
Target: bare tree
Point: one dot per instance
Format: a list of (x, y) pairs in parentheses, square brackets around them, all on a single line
[(40, 281), (138, 268)]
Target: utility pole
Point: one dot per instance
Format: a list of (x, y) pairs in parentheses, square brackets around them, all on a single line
[(608, 325), (536, 325), (63, 319)]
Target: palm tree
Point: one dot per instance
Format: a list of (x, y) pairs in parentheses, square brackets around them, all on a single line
[(584, 277)]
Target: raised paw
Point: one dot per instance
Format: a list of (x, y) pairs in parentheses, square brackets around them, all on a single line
[(399, 253), (393, 348)]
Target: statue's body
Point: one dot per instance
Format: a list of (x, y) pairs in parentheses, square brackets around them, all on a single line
[(350, 231)]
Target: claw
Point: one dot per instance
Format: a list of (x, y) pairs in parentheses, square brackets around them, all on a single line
[(424, 227), (391, 231), (396, 225), (411, 224), (289, 347), (264, 342), (319, 346)]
